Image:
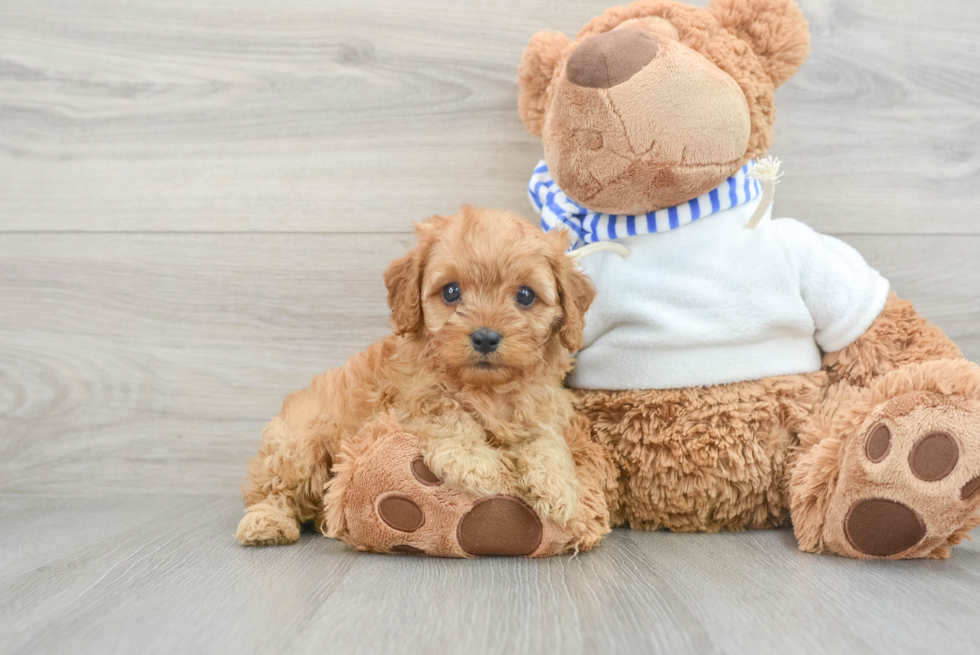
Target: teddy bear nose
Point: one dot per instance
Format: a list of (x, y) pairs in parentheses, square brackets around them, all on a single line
[(611, 58)]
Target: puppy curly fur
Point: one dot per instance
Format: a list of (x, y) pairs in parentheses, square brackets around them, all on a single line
[(477, 416)]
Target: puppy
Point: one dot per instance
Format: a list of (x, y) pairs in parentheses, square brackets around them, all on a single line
[(486, 311)]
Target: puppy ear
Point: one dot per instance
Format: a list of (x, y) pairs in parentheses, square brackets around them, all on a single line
[(403, 280), (575, 293), (534, 75), (777, 30)]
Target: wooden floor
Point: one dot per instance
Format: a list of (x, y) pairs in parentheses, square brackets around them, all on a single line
[(197, 201), (162, 574)]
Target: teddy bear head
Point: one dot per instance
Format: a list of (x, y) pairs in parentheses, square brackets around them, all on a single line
[(658, 102)]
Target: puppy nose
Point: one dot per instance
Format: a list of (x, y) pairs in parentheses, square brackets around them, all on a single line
[(485, 340), (605, 60)]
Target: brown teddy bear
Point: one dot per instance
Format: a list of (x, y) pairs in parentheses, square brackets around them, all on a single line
[(738, 372), (743, 372)]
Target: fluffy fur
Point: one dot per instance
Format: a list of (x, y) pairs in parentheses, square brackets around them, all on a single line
[(478, 418), (706, 459)]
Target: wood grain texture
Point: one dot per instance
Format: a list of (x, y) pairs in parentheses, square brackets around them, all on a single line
[(163, 574), (339, 116), (197, 201), (151, 361)]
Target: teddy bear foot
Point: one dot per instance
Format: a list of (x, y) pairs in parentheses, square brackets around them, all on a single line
[(909, 484), (385, 499), (884, 526)]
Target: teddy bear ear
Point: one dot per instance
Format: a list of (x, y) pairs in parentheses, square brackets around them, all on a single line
[(777, 30), (535, 73)]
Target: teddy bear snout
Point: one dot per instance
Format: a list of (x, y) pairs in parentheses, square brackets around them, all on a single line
[(611, 58)]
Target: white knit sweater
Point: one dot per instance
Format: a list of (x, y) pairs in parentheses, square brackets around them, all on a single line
[(714, 303)]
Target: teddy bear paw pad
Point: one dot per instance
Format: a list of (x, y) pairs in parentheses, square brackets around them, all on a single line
[(934, 457), (881, 528), (401, 513), (500, 525), (424, 474), (970, 489), (913, 482)]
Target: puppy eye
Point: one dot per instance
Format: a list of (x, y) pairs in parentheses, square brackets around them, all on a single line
[(450, 292), (525, 297)]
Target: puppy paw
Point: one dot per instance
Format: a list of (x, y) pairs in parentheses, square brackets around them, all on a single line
[(267, 525), (553, 498), (548, 479), (475, 470)]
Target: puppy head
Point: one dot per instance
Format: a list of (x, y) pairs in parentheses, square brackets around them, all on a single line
[(491, 297)]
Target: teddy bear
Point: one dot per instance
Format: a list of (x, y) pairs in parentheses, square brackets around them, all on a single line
[(737, 372), (742, 372)]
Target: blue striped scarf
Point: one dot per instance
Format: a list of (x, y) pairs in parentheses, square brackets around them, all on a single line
[(558, 210)]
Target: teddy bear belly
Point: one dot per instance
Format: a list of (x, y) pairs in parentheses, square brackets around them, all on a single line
[(702, 459)]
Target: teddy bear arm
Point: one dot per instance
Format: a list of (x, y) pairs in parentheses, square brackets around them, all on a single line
[(898, 337)]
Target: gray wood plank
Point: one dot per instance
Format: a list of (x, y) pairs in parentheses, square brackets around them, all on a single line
[(337, 116), (148, 363), (162, 575), (151, 362), (136, 353)]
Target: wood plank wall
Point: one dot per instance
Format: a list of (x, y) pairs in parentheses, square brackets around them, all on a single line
[(197, 200)]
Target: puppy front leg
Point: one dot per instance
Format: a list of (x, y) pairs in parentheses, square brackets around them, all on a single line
[(547, 476), (455, 449)]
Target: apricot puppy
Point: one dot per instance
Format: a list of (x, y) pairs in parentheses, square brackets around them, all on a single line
[(486, 311)]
